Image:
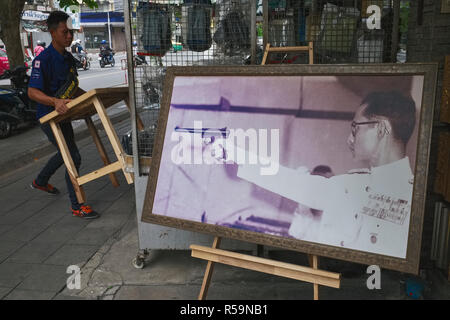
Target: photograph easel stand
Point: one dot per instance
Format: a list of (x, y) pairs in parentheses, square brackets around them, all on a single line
[(313, 274), (287, 270)]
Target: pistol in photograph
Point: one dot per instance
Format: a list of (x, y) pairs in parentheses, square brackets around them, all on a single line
[(206, 132)]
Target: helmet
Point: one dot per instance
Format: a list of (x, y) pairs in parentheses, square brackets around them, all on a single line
[(78, 41), (103, 41), (43, 44), (39, 43)]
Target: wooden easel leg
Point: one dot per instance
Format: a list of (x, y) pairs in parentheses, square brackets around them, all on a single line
[(315, 265), (311, 52), (68, 161), (266, 54), (208, 273), (101, 149), (112, 135)]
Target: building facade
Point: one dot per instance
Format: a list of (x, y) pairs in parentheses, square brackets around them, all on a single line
[(104, 23)]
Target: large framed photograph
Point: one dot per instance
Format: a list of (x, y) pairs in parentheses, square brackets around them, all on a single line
[(326, 160)]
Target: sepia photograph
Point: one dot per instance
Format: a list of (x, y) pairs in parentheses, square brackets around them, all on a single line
[(324, 159)]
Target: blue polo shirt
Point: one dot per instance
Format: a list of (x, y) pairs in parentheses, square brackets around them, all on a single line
[(49, 73)]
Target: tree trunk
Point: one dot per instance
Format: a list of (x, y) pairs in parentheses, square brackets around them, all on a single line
[(10, 16)]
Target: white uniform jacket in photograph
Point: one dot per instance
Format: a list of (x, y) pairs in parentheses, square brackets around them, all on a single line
[(367, 209)]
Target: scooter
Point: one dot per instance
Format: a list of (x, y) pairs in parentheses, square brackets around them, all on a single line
[(105, 59), (81, 62), (16, 109), (139, 60)]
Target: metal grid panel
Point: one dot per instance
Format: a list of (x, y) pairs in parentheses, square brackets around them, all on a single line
[(176, 33), (341, 30), (217, 32)]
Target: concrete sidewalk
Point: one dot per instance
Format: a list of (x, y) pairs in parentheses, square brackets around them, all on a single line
[(39, 240)]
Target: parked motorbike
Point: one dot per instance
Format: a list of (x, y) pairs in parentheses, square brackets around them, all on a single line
[(105, 59), (80, 62), (139, 60), (16, 108)]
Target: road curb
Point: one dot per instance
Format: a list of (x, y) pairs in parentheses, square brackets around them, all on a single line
[(28, 156)]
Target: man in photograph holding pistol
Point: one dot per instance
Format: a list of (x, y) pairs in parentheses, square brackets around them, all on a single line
[(365, 209)]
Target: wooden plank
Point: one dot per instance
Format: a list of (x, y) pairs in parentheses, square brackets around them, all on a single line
[(101, 149), (309, 48), (111, 133), (266, 54), (208, 273), (68, 161), (277, 268), (315, 262), (289, 49), (83, 102), (113, 167)]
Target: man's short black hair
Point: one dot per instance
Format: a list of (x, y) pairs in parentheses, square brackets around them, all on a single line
[(398, 109), (55, 18)]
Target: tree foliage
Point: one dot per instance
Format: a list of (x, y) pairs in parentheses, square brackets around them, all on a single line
[(10, 15), (67, 3)]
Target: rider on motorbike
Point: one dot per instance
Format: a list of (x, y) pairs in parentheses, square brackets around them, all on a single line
[(106, 51), (78, 52), (40, 46)]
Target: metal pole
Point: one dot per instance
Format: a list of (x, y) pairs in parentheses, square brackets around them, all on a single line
[(132, 94), (253, 38), (109, 31), (395, 31), (265, 23)]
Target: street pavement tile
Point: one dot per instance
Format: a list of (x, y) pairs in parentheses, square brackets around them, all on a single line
[(35, 252), (5, 228), (9, 203), (11, 274), (72, 254), (62, 231), (94, 236), (24, 232), (9, 247), (66, 297), (4, 292), (45, 278), (23, 212), (18, 294)]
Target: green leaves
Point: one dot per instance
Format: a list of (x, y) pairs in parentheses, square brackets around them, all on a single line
[(67, 3)]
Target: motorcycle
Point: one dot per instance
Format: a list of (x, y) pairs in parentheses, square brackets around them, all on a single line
[(139, 60), (16, 108), (105, 59), (81, 62)]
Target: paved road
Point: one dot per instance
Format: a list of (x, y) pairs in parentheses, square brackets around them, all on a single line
[(97, 77)]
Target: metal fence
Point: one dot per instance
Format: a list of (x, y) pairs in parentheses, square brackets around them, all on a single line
[(234, 32)]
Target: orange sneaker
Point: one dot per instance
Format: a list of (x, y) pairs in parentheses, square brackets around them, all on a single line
[(48, 188), (85, 212)]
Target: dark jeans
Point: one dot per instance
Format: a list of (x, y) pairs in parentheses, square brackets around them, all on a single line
[(57, 161)]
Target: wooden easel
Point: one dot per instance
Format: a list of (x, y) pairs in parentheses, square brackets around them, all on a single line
[(309, 48), (93, 102), (287, 270), (215, 255)]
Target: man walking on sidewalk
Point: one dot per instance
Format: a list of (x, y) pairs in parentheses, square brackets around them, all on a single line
[(52, 83)]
